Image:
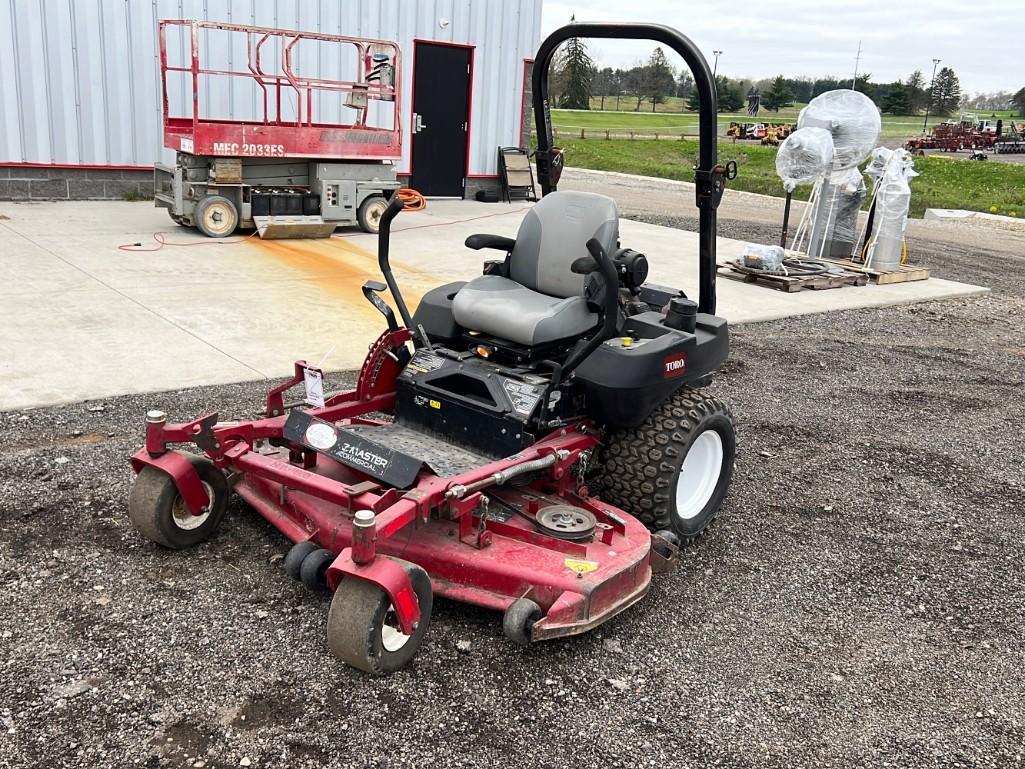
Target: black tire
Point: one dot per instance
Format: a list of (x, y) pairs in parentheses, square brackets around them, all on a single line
[(357, 618), (660, 538), (216, 216), (158, 512), (176, 219), (313, 571), (642, 466), (519, 619), (369, 213), (296, 555)]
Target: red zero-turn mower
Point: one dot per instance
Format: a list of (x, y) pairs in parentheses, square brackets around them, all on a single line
[(547, 448)]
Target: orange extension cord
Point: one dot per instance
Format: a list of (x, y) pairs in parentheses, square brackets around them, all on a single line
[(412, 199)]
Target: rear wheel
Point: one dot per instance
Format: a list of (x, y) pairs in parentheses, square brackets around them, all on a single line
[(158, 511), (363, 631), (673, 471), (216, 216), (369, 213)]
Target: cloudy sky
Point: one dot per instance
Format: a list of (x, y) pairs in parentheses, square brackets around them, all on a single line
[(980, 39)]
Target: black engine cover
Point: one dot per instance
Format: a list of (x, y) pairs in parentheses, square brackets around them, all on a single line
[(468, 400)]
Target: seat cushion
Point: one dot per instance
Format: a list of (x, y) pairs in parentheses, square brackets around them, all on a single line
[(502, 308)]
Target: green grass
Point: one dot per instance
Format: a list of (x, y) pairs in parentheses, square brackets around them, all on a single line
[(672, 120), (944, 182)]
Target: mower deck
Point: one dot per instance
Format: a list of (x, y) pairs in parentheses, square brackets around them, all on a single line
[(488, 563)]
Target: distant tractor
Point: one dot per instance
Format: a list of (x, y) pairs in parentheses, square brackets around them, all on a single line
[(286, 172)]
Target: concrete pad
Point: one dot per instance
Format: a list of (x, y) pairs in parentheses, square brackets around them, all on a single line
[(959, 214), (82, 319)]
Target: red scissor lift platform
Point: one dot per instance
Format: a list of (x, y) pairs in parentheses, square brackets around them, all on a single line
[(272, 135), (254, 145)]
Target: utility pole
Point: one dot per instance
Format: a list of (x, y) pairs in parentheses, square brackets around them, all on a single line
[(928, 104), (857, 61), (715, 67)]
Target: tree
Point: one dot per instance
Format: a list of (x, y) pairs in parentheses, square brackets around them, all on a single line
[(577, 72), (731, 98), (945, 93), (1018, 100), (778, 95), (634, 80), (865, 85), (693, 103), (659, 78), (917, 96), (897, 100), (684, 85), (603, 83)]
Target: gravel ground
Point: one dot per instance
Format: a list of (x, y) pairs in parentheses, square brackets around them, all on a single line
[(857, 604)]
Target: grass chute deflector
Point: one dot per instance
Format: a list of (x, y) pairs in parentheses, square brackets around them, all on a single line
[(709, 175), (536, 440)]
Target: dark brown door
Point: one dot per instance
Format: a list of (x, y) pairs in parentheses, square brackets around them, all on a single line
[(441, 119)]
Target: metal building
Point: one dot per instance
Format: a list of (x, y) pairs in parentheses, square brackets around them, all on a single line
[(80, 90)]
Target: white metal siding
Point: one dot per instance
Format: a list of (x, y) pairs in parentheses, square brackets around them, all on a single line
[(80, 80)]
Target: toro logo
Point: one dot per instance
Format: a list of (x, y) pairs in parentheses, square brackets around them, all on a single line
[(674, 365)]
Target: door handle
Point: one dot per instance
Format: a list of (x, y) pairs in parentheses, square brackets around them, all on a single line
[(418, 123)]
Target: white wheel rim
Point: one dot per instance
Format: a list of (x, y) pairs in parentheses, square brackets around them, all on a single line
[(219, 218), (392, 637), (699, 475), (183, 518), (374, 213)]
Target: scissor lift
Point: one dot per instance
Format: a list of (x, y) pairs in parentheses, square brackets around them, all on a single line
[(284, 172)]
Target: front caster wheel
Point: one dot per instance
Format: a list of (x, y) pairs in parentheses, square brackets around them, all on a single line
[(519, 619), (673, 471), (296, 555), (313, 571), (159, 513), (363, 631)]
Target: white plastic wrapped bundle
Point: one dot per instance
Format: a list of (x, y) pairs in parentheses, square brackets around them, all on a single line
[(853, 120), (765, 258), (804, 157), (892, 169), (835, 215)]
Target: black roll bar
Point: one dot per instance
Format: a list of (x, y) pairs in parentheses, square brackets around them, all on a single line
[(709, 176)]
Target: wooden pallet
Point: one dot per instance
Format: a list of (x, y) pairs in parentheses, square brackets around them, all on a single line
[(907, 272), (792, 283)]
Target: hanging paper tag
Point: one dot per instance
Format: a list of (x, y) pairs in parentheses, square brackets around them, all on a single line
[(314, 382)]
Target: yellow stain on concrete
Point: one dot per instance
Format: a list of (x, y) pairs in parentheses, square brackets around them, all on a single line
[(340, 268)]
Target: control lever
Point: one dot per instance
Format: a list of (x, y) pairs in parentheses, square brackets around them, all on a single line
[(371, 289), (610, 317)]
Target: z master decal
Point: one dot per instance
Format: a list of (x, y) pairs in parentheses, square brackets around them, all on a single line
[(356, 451)]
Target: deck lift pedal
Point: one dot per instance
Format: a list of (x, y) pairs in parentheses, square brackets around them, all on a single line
[(547, 444), (284, 172)]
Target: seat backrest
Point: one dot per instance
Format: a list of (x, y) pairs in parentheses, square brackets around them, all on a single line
[(554, 234)]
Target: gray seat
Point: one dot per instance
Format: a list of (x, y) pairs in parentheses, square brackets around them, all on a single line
[(542, 300)]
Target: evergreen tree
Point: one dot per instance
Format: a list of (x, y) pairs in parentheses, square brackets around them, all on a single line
[(1018, 100), (659, 78), (778, 95), (693, 103), (917, 97), (731, 98), (865, 85), (945, 92), (577, 72), (898, 100)]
